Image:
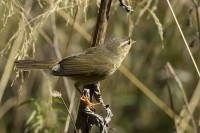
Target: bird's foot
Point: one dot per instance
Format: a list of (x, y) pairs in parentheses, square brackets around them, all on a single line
[(87, 102)]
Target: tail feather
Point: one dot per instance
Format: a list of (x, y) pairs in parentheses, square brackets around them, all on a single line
[(32, 64)]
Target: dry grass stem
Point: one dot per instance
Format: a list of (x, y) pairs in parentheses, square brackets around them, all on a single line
[(71, 106), (184, 116), (77, 27), (185, 42), (7, 106), (147, 91), (152, 10), (10, 63), (180, 86)]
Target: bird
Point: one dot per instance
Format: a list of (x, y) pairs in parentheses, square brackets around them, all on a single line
[(87, 67)]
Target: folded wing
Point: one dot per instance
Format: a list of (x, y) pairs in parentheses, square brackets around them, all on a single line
[(82, 65)]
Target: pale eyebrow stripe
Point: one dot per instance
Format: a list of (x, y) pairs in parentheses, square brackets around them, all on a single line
[(124, 42)]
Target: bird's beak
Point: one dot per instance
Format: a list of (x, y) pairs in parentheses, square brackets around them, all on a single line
[(132, 41)]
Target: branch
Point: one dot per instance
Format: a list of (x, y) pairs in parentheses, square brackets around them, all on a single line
[(102, 23), (98, 39)]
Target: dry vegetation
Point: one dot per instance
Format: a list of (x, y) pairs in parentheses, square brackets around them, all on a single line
[(156, 90)]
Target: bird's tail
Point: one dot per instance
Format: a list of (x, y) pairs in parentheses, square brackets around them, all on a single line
[(32, 64)]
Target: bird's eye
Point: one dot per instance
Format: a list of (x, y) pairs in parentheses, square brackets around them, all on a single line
[(124, 43), (131, 41)]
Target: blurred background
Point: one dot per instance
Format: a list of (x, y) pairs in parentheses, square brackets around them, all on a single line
[(35, 101)]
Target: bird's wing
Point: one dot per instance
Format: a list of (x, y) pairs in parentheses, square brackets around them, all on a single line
[(83, 64)]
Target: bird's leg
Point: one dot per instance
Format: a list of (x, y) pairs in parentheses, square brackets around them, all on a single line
[(77, 86), (91, 117), (87, 102), (83, 97), (98, 97), (87, 107)]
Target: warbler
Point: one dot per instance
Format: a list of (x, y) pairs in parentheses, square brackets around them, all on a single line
[(90, 66)]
